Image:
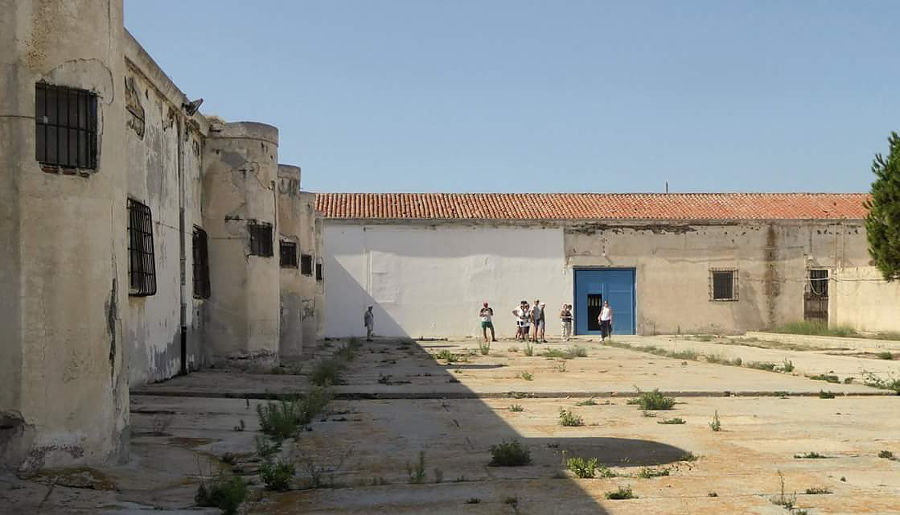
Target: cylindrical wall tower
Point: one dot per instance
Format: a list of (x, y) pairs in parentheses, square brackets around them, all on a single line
[(63, 258), (291, 235), (240, 171)]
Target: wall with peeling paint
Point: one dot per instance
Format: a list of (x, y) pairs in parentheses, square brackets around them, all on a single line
[(63, 386), (424, 277), (297, 219), (164, 172)]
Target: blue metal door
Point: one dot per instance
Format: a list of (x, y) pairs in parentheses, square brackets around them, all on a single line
[(615, 285)]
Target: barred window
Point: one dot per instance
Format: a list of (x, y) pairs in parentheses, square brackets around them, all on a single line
[(260, 239), (723, 284), (306, 264), (65, 127), (202, 289), (288, 254), (141, 265), (320, 274)]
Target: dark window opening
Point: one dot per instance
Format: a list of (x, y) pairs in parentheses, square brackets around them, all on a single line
[(818, 283), (260, 239), (815, 299), (594, 305), (201, 264), (723, 285), (319, 272), (141, 265), (65, 127), (288, 254), (306, 264)]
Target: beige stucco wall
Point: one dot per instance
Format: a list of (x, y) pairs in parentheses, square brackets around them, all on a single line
[(673, 261), (239, 184), (860, 298), (296, 222), (160, 167), (63, 390)]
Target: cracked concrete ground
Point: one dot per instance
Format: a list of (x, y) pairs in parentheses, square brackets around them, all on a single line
[(396, 400)]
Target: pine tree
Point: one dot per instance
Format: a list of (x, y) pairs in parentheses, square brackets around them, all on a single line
[(883, 220)]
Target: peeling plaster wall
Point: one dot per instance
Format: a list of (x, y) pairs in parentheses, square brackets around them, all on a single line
[(296, 222), (860, 298), (154, 155), (430, 281), (673, 262), (239, 185), (63, 389)]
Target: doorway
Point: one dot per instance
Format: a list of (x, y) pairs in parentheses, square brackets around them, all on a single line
[(592, 287)]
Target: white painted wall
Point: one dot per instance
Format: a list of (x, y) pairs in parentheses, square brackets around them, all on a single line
[(430, 282), (862, 299)]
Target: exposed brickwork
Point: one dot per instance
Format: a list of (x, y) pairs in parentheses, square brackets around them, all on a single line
[(592, 206)]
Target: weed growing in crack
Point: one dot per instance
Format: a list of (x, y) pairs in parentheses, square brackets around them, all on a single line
[(676, 420), (761, 365), (583, 468), (888, 455), (447, 356), (526, 375), (484, 348), (510, 454), (570, 419), (649, 472), (648, 414), (783, 500), (529, 349), (787, 366), (516, 408), (826, 395), (240, 427), (810, 456), (624, 492), (716, 424), (266, 447), (654, 400), (322, 475), (326, 372), (589, 402), (892, 383), (285, 418), (224, 491), (885, 355), (561, 366), (817, 490), (416, 471), (473, 500), (828, 378), (276, 475)]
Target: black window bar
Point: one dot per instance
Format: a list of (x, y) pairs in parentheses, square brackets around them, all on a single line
[(306, 267), (723, 284), (202, 288), (260, 239), (141, 265), (65, 127), (288, 250)]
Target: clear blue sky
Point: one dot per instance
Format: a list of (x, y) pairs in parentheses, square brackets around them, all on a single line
[(546, 96)]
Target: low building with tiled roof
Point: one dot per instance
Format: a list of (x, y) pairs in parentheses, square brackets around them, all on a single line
[(666, 263)]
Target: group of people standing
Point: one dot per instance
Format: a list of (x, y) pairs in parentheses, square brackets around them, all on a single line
[(534, 316)]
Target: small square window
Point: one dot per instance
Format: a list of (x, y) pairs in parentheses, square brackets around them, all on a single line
[(201, 264), (320, 274), (65, 127), (260, 238), (306, 267), (288, 254), (141, 263), (723, 284)]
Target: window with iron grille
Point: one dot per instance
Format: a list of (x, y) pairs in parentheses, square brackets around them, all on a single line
[(141, 265), (320, 274), (288, 254), (65, 127), (818, 282), (306, 264), (202, 289), (260, 239), (723, 284)]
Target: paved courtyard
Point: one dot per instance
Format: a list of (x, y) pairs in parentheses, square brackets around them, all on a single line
[(446, 404)]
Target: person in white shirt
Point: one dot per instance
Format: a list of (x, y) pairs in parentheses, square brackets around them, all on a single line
[(606, 320), (486, 314), (369, 322), (565, 317)]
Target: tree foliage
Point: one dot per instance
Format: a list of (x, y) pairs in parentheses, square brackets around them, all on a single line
[(883, 220)]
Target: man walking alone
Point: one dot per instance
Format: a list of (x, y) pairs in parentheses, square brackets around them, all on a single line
[(369, 322)]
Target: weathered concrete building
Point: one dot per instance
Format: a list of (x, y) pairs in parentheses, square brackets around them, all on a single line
[(667, 263), (138, 236)]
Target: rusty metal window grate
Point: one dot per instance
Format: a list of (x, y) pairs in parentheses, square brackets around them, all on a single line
[(260, 239), (141, 264), (65, 127), (202, 288), (306, 267), (723, 284), (320, 274), (288, 252)]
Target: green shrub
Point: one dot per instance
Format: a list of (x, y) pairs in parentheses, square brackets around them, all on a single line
[(648, 472), (526, 375), (787, 366), (888, 455), (416, 472), (826, 395), (529, 349), (624, 492), (447, 356), (654, 400), (223, 492), (276, 475), (285, 418), (716, 424), (516, 408), (326, 372), (829, 378), (569, 419), (582, 468), (510, 454), (266, 447), (761, 365)]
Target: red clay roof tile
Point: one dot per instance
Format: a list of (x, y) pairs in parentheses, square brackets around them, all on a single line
[(592, 206)]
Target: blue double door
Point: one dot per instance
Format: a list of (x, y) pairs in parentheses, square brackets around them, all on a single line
[(593, 287)]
